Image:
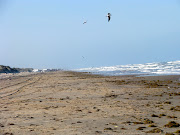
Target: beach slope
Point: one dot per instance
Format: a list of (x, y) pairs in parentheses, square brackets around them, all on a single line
[(75, 103)]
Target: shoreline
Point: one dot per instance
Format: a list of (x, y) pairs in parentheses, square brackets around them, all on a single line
[(67, 102), (6, 75)]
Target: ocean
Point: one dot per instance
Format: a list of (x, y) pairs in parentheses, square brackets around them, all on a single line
[(148, 69)]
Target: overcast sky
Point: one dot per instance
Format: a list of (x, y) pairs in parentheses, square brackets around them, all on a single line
[(51, 34)]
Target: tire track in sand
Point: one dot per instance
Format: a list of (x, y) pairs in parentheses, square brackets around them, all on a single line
[(10, 92)]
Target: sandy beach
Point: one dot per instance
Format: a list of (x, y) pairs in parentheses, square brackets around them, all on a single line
[(71, 103)]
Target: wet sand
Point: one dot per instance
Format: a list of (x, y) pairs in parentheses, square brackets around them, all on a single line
[(70, 103)]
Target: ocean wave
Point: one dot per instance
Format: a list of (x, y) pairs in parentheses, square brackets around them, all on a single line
[(155, 68)]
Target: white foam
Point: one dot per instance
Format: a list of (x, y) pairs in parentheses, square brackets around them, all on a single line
[(171, 67)]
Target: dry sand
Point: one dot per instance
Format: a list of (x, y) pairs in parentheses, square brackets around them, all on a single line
[(70, 103)]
